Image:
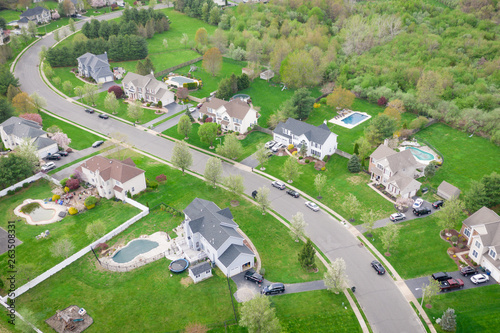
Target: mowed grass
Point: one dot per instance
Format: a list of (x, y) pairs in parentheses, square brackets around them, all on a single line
[(65, 74), (476, 309), (193, 138), (253, 142), (10, 15), (33, 256), (80, 139), (420, 250), (465, 158), (53, 25)]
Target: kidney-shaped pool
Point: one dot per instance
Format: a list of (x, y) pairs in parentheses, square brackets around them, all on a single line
[(133, 249)]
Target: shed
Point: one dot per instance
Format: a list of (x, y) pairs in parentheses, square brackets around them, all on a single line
[(247, 71), (267, 75), (447, 191), (200, 271)]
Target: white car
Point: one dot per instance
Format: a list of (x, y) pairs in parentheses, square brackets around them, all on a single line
[(48, 166), (418, 203), (397, 216), (269, 144), (276, 147), (479, 278), (312, 206), (278, 184), (192, 109)]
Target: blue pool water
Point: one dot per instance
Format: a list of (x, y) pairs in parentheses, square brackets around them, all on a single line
[(133, 249), (421, 155), (354, 118)]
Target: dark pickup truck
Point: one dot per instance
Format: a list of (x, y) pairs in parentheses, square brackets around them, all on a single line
[(451, 284)]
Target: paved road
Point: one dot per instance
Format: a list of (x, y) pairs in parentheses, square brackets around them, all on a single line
[(384, 305)]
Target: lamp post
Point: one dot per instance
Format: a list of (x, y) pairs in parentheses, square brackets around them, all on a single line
[(423, 296)]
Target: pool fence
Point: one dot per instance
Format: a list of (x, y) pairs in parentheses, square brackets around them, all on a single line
[(116, 267), (31, 179), (171, 69)]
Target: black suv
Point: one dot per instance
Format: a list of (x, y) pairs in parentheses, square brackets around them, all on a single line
[(63, 153), (56, 157), (293, 193), (468, 270), (441, 276), (253, 276), (437, 204), (378, 267), (421, 211), (89, 110), (274, 288)]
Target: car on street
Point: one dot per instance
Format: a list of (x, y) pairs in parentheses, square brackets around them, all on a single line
[(89, 110), (63, 153), (437, 204), (418, 203), (274, 288), (269, 144), (421, 211), (397, 217), (97, 144), (441, 276), (278, 184), (479, 278), (103, 116), (54, 157), (253, 276), (293, 193), (468, 270), (451, 284), (378, 267), (48, 166), (312, 206), (254, 194)]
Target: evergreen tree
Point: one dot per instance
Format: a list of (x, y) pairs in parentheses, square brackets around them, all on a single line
[(6, 110), (224, 90), (243, 81), (449, 320), (356, 148), (233, 82), (307, 256), (7, 79), (354, 166), (148, 65)]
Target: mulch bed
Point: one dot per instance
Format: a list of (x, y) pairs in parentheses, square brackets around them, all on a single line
[(451, 251), (72, 312)]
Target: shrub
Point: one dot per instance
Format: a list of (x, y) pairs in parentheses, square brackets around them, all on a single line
[(117, 90), (10, 192), (294, 153), (326, 158), (72, 211), (73, 184), (208, 120), (161, 178), (316, 105), (66, 189), (237, 133), (290, 146), (323, 100), (101, 247), (63, 182), (160, 104), (448, 238), (323, 169), (454, 239), (300, 157), (56, 197), (307, 161), (153, 185), (90, 202), (26, 185), (460, 245), (148, 104), (382, 101)]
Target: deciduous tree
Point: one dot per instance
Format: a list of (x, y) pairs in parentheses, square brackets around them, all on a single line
[(135, 111), (181, 156), (290, 169), (351, 206), (213, 171), (207, 133), (430, 170), (298, 70), (369, 217), (450, 214), (38, 101), (231, 148), (184, 40), (14, 169), (398, 105), (262, 199), (430, 290), (212, 61), (234, 184), (32, 116), (258, 316), (319, 183), (111, 103), (95, 230), (297, 226), (262, 155), (61, 139), (340, 98), (184, 126), (28, 151), (67, 86), (336, 277), (90, 93), (380, 128), (62, 248), (201, 37), (389, 235), (23, 103)]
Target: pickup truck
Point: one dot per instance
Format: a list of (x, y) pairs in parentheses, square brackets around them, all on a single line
[(451, 284)]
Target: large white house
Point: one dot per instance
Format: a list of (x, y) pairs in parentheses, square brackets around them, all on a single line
[(38, 15), (213, 231), (482, 229), (113, 178), (95, 66), (14, 130), (319, 140), (148, 87), (235, 115), (396, 171)]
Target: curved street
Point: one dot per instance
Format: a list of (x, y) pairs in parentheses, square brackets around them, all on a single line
[(385, 306)]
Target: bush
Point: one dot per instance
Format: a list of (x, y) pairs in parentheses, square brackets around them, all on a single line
[(63, 182), (326, 158), (323, 169), (72, 211), (307, 161), (26, 185), (290, 147), (208, 120), (73, 184), (117, 90), (300, 157), (323, 100), (10, 192), (90, 202), (153, 185), (56, 197), (148, 104), (101, 247), (382, 101), (237, 133), (160, 104), (454, 239), (460, 245), (294, 153), (190, 85), (316, 105), (161, 178), (66, 189)]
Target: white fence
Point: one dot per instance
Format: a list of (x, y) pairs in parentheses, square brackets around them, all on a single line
[(20, 184), (50, 179)]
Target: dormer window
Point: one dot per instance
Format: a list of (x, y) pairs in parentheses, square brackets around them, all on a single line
[(493, 254), (379, 166)]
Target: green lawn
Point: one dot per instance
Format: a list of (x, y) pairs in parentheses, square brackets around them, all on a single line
[(53, 25), (80, 139), (10, 15), (193, 138), (33, 256), (65, 74), (476, 309), (465, 158), (253, 142), (340, 183), (420, 250)]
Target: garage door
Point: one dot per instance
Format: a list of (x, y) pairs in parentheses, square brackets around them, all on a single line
[(235, 270)]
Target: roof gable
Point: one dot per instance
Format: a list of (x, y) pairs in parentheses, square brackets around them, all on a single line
[(318, 134), (34, 11), (382, 152), (114, 169), (483, 216)]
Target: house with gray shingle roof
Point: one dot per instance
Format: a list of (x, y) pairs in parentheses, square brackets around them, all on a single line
[(38, 15), (396, 171), (147, 87), (235, 115), (319, 140), (447, 191), (95, 66), (200, 271), (212, 230), (14, 130)]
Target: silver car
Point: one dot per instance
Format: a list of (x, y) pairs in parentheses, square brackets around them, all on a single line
[(312, 206), (479, 278)]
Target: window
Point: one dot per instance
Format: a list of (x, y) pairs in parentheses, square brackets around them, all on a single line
[(133, 189), (474, 254), (493, 253), (197, 276), (207, 272), (477, 244), (467, 232), (379, 166), (118, 183)]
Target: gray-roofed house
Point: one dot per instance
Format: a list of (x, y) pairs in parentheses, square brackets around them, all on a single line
[(320, 141), (447, 191), (14, 130), (397, 171), (235, 115), (38, 15), (212, 230), (148, 87), (96, 67), (200, 272), (482, 230)]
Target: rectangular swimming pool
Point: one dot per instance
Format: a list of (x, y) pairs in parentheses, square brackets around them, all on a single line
[(354, 118)]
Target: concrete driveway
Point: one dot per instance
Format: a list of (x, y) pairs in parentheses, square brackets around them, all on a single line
[(76, 154)]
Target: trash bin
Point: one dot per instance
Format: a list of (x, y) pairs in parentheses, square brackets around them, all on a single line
[(353, 289)]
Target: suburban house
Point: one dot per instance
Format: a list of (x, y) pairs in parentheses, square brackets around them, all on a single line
[(235, 115), (4, 34), (267, 75), (200, 271), (147, 87), (95, 66), (319, 140), (14, 130), (482, 230), (397, 171), (447, 191), (212, 230), (38, 15), (113, 178)]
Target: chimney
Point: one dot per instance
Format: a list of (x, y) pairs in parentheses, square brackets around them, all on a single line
[(386, 142)]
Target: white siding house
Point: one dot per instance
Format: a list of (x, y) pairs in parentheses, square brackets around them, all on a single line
[(235, 115), (96, 67), (200, 271), (148, 87), (38, 15)]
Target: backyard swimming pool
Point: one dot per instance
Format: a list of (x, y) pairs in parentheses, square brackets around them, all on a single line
[(354, 118), (421, 155), (133, 249), (179, 81), (41, 214)]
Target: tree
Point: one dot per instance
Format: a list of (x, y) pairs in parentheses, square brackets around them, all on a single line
[(79, 91), (234, 184), (389, 235), (67, 86), (290, 169), (430, 170), (28, 151), (111, 103), (298, 70), (354, 166), (201, 37), (33, 117), (165, 43), (90, 93), (73, 183), (184, 39), (61, 139), (430, 290), (13, 169), (117, 90), (340, 98), (135, 111), (364, 148), (449, 320), (262, 155), (491, 184), (207, 133), (335, 277), (303, 103), (181, 156), (258, 316), (7, 79), (430, 87), (450, 213), (262, 199), (212, 61), (231, 148), (38, 101), (6, 110), (369, 217), (62, 248), (12, 92), (182, 93), (475, 197), (397, 104), (393, 113), (224, 90), (351, 206), (152, 4), (213, 171), (319, 183), (71, 24), (307, 256), (23, 103), (32, 28), (380, 128), (297, 226), (95, 230), (184, 126)]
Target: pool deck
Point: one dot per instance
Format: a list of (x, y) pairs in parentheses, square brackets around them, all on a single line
[(426, 149), (337, 120), (49, 205)]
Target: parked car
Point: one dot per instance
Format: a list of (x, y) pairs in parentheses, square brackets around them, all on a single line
[(451, 284), (192, 109), (103, 116), (254, 194), (199, 105), (274, 288), (421, 211), (53, 157), (276, 147), (253, 276), (89, 110), (48, 166), (269, 153), (442, 276), (312, 206), (63, 153), (278, 184), (97, 144), (418, 203), (479, 278), (468, 270), (269, 144), (437, 204), (293, 193), (378, 267), (397, 217)]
